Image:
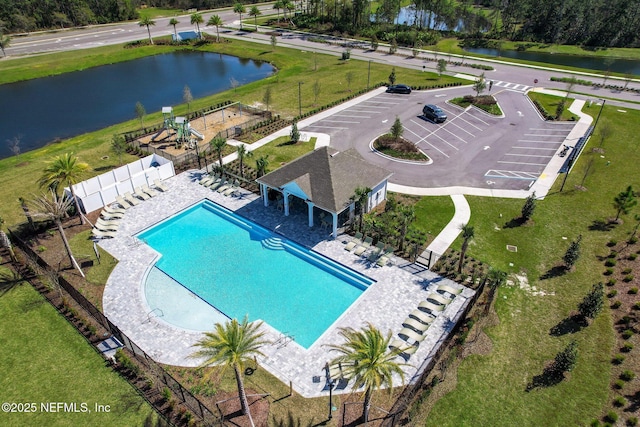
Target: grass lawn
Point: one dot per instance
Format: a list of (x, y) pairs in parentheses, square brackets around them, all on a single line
[(281, 151), (491, 389), (45, 360), (158, 12), (550, 104)]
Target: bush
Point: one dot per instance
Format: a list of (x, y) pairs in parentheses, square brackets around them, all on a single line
[(617, 360), (632, 257), (618, 384), (627, 375), (619, 401), (627, 271), (612, 243), (611, 282), (632, 421), (637, 305), (627, 347), (628, 278), (611, 417), (166, 394), (610, 262), (608, 272), (612, 293), (616, 304), (628, 333), (632, 240), (633, 291)]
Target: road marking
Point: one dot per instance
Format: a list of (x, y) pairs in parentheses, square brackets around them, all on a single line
[(385, 120), (58, 38), (535, 148), (486, 147), (538, 141), (522, 163), (494, 173), (440, 95), (328, 119), (324, 127), (356, 117), (528, 155), (564, 135), (520, 113), (369, 106), (428, 143), (380, 102)]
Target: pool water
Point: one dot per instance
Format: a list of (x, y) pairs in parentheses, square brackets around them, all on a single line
[(241, 268)]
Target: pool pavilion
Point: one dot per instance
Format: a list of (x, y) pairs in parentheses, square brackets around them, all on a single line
[(326, 181)]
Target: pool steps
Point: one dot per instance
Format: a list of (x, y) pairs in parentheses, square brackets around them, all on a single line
[(273, 243)]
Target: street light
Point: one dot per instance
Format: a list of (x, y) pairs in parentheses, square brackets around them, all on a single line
[(599, 112), (300, 98), (331, 384)]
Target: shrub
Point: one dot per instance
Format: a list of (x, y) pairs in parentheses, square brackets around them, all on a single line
[(166, 394), (608, 272), (627, 271), (628, 278), (595, 423), (619, 401), (632, 257), (612, 254), (633, 290), (628, 333), (618, 384), (612, 243), (611, 417), (632, 421), (610, 262), (611, 282), (627, 347), (617, 360), (637, 305), (627, 375), (616, 304), (632, 240), (612, 293)]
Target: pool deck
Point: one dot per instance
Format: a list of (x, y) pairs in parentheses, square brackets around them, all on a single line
[(398, 290)]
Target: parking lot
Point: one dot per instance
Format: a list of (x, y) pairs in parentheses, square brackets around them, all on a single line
[(472, 148)]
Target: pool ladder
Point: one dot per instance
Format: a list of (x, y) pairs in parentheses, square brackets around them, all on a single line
[(284, 340), (156, 311)]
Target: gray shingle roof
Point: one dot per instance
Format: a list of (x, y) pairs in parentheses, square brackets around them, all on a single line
[(329, 178)]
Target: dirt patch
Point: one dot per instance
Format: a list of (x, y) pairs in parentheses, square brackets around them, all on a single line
[(522, 281)]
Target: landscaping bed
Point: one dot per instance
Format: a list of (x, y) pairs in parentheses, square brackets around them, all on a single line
[(484, 102), (399, 148)]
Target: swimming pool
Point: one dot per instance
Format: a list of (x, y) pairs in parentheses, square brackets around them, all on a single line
[(239, 267)]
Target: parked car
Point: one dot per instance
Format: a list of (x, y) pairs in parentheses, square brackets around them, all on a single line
[(399, 89), (434, 113)]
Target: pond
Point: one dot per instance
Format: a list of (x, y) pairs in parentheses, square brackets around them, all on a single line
[(40, 111), (623, 66)]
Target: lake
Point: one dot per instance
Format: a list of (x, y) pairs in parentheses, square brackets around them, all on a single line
[(40, 111)]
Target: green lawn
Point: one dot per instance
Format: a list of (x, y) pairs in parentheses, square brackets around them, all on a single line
[(158, 12), (550, 104), (491, 389), (281, 151), (45, 360)]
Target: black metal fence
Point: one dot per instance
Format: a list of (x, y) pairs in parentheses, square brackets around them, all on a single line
[(160, 376)]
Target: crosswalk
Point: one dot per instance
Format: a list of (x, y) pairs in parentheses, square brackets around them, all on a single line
[(512, 86)]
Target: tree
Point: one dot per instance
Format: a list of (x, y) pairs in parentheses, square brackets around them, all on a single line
[(146, 21), (255, 12), (441, 66), (262, 163), (349, 77), (174, 22), (392, 76), (624, 201), (396, 129), (495, 279), (406, 215), (217, 21), (528, 208), (243, 154), (361, 196), (232, 344), (468, 233), (118, 146), (239, 9), (393, 47), (27, 213), (316, 91), (140, 113), (479, 85), (5, 242), (592, 303), (217, 144), (566, 360), (295, 133), (196, 18), (187, 97), (366, 354), (573, 253), (274, 42), (64, 170), (14, 144), (5, 41), (55, 209), (266, 98), (278, 5)]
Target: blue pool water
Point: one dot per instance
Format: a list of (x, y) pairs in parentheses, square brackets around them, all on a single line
[(241, 268)]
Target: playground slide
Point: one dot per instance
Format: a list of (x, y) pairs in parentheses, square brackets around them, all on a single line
[(196, 133)]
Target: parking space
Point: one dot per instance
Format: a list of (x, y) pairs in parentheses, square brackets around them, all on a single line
[(471, 148)]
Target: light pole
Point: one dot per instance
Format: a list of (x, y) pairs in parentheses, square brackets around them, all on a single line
[(198, 156), (331, 384), (300, 98), (599, 112)]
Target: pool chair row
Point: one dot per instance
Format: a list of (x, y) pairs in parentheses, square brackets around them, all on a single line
[(108, 223), (380, 254), (142, 193), (415, 326), (220, 184)]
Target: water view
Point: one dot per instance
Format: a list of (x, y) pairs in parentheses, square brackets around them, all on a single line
[(623, 66), (40, 111)]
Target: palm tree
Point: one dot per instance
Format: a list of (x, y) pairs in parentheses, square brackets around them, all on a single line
[(290, 7), (367, 354), (174, 22), (217, 144), (361, 195), (217, 21), (5, 41), (278, 5), (406, 215), (64, 170), (5, 242), (239, 9), (55, 209), (467, 235), (232, 344), (243, 154), (196, 18), (496, 279), (261, 165), (146, 21), (255, 12), (9, 279)]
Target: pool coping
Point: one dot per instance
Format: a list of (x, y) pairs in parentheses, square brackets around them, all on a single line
[(386, 303)]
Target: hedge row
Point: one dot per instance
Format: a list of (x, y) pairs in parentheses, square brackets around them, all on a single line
[(595, 85)]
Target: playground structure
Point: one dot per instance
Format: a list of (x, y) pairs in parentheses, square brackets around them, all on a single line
[(180, 127)]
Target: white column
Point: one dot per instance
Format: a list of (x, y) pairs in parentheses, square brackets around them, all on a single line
[(265, 194), (352, 209), (285, 195), (310, 205), (334, 225)]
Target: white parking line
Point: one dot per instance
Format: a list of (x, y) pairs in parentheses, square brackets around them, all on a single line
[(379, 102), (368, 106), (358, 117), (528, 155), (537, 141), (428, 143), (328, 119), (535, 148), (433, 133), (543, 134), (453, 123), (325, 127), (522, 163)]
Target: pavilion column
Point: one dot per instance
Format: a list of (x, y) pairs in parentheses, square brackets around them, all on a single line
[(285, 195), (310, 205), (352, 209), (265, 194), (334, 225)]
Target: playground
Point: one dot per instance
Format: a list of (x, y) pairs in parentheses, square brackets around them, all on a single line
[(179, 135)]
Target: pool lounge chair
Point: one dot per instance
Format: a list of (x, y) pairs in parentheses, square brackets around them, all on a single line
[(402, 347), (106, 226), (377, 253), (231, 191), (129, 198), (366, 244), (111, 210), (333, 371), (122, 202), (422, 316), (351, 245), (415, 325), (98, 234), (439, 299), (208, 179), (148, 190), (160, 185), (412, 335), (217, 184), (108, 216), (141, 194), (448, 289), (433, 308), (224, 187)]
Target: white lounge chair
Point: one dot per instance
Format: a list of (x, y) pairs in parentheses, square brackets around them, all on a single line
[(111, 210), (148, 190), (448, 289), (402, 347), (415, 325), (412, 335), (439, 299), (433, 308), (160, 185), (108, 215), (99, 234), (357, 240), (422, 316), (366, 244), (122, 202), (129, 198), (141, 194), (106, 226), (231, 191)]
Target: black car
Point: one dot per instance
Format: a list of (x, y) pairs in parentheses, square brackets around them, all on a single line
[(434, 113), (399, 89)]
